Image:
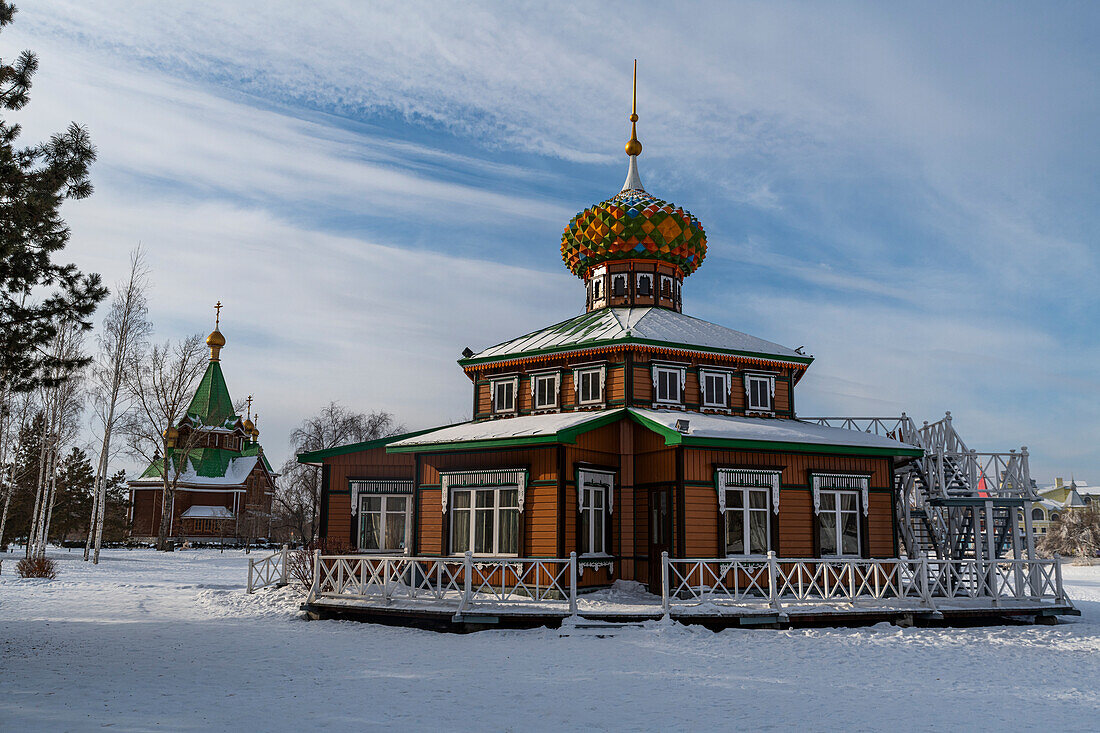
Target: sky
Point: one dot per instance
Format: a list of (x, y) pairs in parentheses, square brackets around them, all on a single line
[(910, 191)]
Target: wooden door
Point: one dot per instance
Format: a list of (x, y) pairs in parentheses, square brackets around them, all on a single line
[(660, 532)]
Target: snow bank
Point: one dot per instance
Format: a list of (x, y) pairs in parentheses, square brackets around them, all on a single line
[(170, 641)]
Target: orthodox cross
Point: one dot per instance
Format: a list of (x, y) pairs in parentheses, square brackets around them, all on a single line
[(217, 315), (249, 407)]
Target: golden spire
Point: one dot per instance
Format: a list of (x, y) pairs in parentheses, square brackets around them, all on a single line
[(215, 340), (633, 147)]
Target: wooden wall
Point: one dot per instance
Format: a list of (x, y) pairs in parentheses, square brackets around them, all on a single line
[(338, 526)]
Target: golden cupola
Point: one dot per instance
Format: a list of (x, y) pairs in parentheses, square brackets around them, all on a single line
[(215, 340)]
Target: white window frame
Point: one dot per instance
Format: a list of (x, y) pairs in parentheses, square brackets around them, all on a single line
[(622, 277), (842, 483), (499, 382), (836, 517), (382, 513), (472, 511), (705, 374), (556, 391), (769, 381), (746, 512), (677, 375), (588, 483), (638, 285), (579, 375)]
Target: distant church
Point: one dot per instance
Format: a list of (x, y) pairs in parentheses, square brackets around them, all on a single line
[(225, 489)]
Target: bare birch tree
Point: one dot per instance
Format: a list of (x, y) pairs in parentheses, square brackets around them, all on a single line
[(62, 399), (160, 382), (298, 493), (125, 332)]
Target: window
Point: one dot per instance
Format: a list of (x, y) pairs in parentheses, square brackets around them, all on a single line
[(1054, 516), (748, 521), (1037, 513), (597, 291), (504, 394), (594, 501), (666, 287), (485, 521), (758, 390), (383, 522), (838, 523), (715, 386), (645, 285), (618, 286), (589, 385), (544, 388), (667, 384)]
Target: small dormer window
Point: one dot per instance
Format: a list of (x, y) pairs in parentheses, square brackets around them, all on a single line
[(645, 285), (618, 286), (760, 391), (504, 394)]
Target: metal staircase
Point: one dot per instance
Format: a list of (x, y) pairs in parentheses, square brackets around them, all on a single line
[(954, 502)]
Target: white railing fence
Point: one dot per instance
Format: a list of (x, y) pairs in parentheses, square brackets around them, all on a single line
[(776, 581), (465, 582), (270, 570)]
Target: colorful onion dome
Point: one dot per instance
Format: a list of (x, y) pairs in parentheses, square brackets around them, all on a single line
[(634, 225)]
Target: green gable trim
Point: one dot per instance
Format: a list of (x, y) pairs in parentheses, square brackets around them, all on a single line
[(341, 450), (673, 437), (464, 363), (566, 436)]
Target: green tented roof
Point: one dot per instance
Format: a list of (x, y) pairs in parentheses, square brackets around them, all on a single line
[(212, 404)]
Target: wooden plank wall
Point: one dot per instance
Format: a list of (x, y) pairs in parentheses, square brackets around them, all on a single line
[(643, 384), (796, 518), (374, 463), (540, 515)]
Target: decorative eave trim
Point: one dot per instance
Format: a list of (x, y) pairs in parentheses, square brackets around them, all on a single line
[(740, 478), (831, 481), (361, 487), (489, 478)]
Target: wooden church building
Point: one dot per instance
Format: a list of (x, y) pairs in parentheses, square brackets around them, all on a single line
[(630, 430), (223, 482)]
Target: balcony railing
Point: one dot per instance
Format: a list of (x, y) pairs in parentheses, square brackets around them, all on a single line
[(467, 584)]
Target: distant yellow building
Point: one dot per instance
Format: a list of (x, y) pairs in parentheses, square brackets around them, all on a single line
[(1059, 498)]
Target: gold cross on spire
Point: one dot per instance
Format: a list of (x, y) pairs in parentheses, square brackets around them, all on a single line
[(249, 407), (217, 314), (633, 147)]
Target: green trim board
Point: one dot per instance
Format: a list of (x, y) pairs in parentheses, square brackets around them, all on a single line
[(674, 437), (340, 450)]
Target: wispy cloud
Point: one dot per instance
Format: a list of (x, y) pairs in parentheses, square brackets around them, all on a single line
[(910, 190)]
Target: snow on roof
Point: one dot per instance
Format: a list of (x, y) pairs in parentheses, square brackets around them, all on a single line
[(207, 512), (528, 426), (768, 429), (235, 473), (638, 324)]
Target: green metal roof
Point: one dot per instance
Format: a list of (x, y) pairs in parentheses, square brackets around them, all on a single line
[(212, 404), (650, 326)]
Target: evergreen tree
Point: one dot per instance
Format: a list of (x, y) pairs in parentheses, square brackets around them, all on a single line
[(37, 293), (75, 482), (116, 516)]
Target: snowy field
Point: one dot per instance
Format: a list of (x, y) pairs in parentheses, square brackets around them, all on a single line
[(151, 641)]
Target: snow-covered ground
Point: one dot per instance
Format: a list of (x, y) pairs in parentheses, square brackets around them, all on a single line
[(152, 641)]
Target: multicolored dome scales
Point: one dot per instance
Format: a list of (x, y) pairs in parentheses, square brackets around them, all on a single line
[(633, 225)]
